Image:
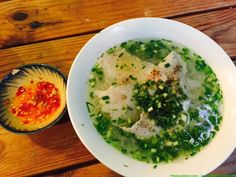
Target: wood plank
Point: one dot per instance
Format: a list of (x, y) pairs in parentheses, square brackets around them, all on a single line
[(99, 170), (25, 22), (61, 53), (54, 148), (220, 25)]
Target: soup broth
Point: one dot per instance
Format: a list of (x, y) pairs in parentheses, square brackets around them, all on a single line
[(154, 100)]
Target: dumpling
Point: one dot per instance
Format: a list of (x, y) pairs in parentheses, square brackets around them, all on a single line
[(124, 68), (170, 68), (117, 101), (144, 127)]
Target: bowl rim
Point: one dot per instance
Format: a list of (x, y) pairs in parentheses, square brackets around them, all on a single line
[(10, 75), (94, 38)]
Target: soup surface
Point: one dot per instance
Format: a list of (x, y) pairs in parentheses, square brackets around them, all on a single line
[(154, 100)]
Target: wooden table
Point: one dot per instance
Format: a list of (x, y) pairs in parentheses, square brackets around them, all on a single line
[(52, 32)]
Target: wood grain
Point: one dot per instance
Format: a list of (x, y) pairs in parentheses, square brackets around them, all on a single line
[(59, 146), (219, 25), (58, 53), (96, 170), (54, 148), (99, 170), (23, 21)]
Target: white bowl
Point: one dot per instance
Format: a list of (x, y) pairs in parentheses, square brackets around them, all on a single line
[(210, 157)]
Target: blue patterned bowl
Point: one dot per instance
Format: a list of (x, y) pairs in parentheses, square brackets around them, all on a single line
[(32, 98)]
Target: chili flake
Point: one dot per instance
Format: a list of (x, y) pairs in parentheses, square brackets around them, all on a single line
[(35, 102)]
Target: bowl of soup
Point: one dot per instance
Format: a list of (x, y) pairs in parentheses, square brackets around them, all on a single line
[(157, 96)]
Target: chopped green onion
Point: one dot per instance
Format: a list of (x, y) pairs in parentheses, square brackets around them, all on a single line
[(105, 97), (153, 150), (167, 65), (121, 55), (132, 77), (161, 87), (88, 104), (150, 109)]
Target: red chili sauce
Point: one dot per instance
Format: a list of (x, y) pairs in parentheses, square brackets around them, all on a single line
[(35, 102)]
